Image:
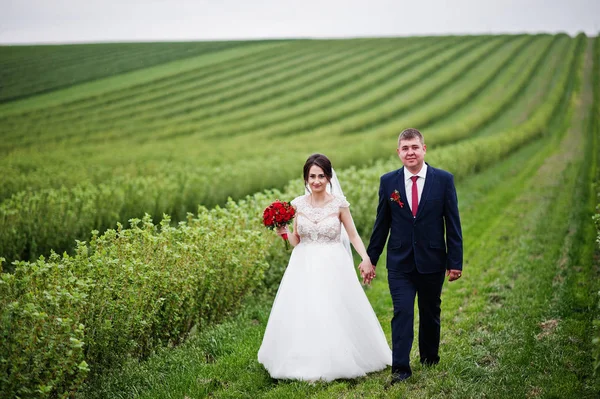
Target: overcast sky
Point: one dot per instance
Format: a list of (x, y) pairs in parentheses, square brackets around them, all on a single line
[(68, 21)]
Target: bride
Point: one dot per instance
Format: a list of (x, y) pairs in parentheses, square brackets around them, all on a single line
[(322, 326)]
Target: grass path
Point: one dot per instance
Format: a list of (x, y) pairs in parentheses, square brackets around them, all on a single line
[(517, 325)]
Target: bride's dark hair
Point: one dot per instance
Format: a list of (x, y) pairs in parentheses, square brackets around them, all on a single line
[(322, 162)]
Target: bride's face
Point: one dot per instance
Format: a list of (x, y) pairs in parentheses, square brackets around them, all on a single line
[(317, 180)]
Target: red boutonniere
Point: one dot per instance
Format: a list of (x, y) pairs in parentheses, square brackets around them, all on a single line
[(395, 197)]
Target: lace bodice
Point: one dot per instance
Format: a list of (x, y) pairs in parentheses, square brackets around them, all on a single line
[(319, 225)]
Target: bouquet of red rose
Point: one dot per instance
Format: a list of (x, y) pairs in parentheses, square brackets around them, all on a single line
[(278, 214)]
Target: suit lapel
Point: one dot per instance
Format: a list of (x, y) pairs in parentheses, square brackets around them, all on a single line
[(429, 182), (402, 189)]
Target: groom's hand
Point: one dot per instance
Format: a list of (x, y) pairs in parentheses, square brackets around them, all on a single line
[(453, 274)]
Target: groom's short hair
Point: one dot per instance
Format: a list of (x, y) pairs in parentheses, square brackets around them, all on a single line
[(409, 134)]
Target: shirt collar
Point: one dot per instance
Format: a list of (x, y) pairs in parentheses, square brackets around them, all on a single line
[(422, 173)]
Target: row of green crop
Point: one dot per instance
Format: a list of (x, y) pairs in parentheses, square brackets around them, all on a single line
[(272, 92), (28, 71), (239, 62), (72, 112), (399, 93), (167, 100), (199, 78), (76, 211), (282, 66), (65, 166), (368, 109), (346, 109), (132, 290), (362, 84), (201, 67), (483, 75), (58, 56), (352, 83), (504, 94), (148, 115)]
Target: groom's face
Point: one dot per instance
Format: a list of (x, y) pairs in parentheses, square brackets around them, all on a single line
[(412, 154)]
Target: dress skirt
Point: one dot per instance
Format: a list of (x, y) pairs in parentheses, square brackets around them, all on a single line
[(322, 326)]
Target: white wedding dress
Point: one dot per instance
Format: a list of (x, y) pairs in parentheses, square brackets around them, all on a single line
[(322, 326)]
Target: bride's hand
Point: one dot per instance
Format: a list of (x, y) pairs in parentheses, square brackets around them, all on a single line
[(367, 271), (282, 230)]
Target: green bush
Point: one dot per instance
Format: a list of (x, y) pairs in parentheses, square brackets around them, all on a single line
[(123, 295), (41, 335)]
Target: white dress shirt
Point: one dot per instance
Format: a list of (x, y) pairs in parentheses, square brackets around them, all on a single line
[(420, 183)]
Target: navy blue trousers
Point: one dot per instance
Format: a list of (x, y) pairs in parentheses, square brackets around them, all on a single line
[(404, 286)]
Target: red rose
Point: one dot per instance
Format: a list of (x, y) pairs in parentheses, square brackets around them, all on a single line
[(278, 214)]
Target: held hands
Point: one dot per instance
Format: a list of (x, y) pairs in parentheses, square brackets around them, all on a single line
[(367, 271), (453, 274)]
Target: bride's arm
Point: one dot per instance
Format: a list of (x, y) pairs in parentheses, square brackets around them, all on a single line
[(346, 218), (367, 271)]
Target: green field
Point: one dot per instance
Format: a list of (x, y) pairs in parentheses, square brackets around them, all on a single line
[(91, 145)]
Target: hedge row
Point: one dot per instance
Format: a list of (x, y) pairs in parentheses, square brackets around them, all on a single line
[(123, 295)]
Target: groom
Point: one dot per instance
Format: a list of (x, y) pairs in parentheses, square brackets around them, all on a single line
[(417, 208)]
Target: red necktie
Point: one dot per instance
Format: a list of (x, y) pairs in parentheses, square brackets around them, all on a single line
[(415, 196)]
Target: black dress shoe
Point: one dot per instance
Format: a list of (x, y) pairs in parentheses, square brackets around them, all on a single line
[(429, 363), (399, 377)]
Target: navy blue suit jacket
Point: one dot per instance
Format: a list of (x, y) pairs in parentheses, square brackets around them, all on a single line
[(431, 241)]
